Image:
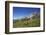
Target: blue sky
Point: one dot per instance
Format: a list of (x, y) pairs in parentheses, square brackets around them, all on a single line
[(20, 12)]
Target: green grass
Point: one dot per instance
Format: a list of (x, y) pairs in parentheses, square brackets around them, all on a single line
[(30, 23)]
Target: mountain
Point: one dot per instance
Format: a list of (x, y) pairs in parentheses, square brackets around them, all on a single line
[(31, 16)]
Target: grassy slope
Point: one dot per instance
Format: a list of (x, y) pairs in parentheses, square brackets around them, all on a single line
[(30, 23)]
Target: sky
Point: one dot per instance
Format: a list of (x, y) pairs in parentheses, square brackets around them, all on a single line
[(20, 12)]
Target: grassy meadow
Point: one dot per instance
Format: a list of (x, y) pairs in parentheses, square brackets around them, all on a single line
[(34, 21)]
